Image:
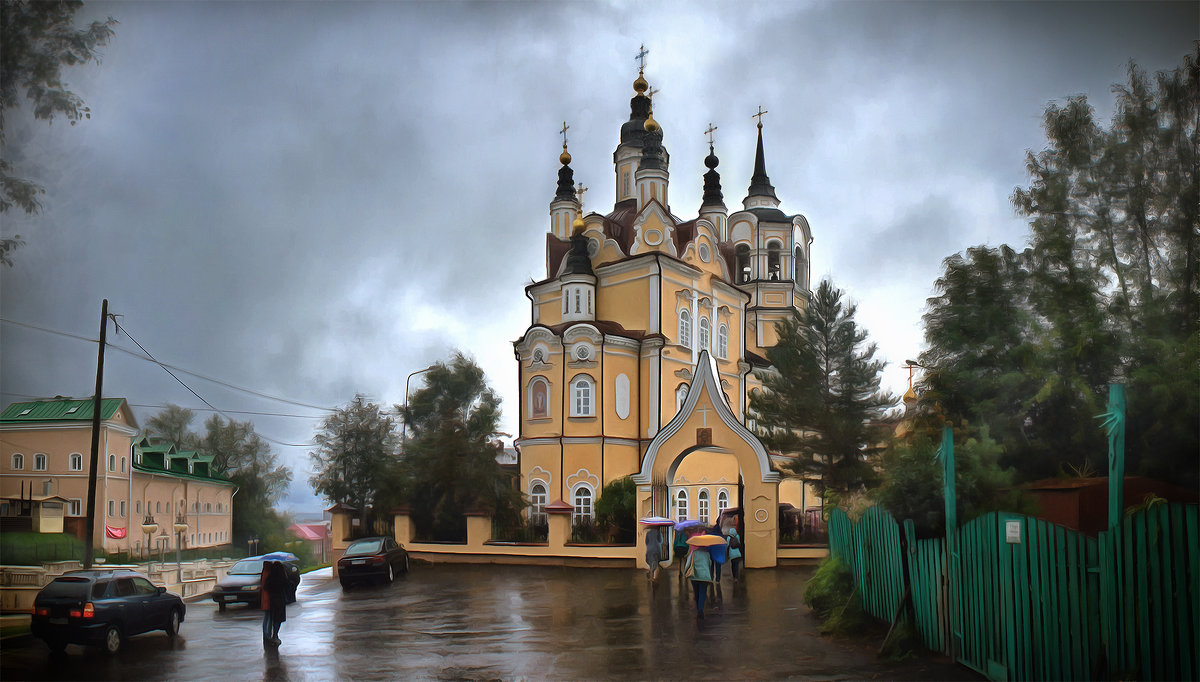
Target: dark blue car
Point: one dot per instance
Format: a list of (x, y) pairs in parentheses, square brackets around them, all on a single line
[(103, 607)]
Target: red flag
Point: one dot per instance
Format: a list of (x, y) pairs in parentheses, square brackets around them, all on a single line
[(114, 533)]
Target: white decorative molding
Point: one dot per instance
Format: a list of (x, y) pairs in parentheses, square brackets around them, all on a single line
[(539, 474), (583, 476), (622, 396)]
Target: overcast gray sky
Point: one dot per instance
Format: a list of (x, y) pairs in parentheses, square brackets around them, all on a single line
[(312, 200)]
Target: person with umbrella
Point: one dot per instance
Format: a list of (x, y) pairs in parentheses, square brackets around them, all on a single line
[(654, 545), (683, 530), (273, 593), (699, 569)]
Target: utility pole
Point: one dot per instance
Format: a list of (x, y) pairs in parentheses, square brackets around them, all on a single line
[(89, 537)]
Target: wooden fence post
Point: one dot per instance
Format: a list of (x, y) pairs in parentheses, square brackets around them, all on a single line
[(946, 452)]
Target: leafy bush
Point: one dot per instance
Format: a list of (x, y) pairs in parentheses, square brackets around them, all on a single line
[(616, 509), (831, 595)]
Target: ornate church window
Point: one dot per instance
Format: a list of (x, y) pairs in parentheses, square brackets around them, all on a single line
[(743, 263), (723, 342), (705, 254), (577, 297), (537, 503), (539, 398), (681, 505), (685, 328), (722, 501), (702, 506), (773, 257), (704, 333), (582, 404), (583, 504)]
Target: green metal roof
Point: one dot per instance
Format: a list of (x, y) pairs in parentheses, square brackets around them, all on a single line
[(59, 409)]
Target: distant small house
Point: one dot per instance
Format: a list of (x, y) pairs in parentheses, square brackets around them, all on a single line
[(1082, 503), (318, 538)]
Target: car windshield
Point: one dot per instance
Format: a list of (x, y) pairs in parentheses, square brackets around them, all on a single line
[(68, 586), (364, 547), (247, 567)]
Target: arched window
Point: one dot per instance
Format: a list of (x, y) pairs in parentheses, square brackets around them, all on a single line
[(685, 328), (583, 504), (702, 506), (112, 462), (743, 263), (722, 502), (122, 465), (18, 461), (39, 462), (582, 400), (680, 396), (681, 505), (705, 333), (723, 342), (537, 503), (773, 264), (75, 462), (208, 507), (798, 267), (539, 398), (112, 508), (158, 507)]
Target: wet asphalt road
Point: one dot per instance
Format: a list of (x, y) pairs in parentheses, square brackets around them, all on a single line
[(496, 622)]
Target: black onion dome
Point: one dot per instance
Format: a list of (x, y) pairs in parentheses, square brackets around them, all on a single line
[(633, 131), (760, 184), (578, 261), (566, 183), (653, 154), (712, 182)]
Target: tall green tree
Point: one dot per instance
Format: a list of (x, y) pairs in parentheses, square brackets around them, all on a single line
[(822, 402), (174, 423), (38, 39), (449, 463), (355, 452)]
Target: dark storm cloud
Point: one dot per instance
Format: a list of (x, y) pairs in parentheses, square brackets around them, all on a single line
[(315, 199)]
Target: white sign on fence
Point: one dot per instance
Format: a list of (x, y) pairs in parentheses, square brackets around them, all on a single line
[(1012, 532)]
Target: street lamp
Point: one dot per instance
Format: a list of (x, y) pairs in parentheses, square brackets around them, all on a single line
[(149, 527), (180, 528), (404, 430), (251, 544)]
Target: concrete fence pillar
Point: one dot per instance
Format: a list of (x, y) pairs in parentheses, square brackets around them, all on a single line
[(559, 514), (479, 528)]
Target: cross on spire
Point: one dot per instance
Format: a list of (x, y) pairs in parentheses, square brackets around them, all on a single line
[(579, 192), (641, 57), (651, 93), (709, 131), (759, 115), (564, 130)]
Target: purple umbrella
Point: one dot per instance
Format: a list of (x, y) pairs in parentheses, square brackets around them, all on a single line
[(690, 523)]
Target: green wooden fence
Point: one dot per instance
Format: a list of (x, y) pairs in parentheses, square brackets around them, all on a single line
[(1039, 601)]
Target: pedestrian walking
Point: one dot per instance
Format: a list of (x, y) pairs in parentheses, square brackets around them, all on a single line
[(653, 552), (735, 552), (718, 554), (274, 587), (680, 551), (698, 569)]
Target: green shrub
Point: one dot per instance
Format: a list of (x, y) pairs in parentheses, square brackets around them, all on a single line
[(831, 595)]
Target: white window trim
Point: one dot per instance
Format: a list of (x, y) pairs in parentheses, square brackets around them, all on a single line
[(75, 504), (682, 506), (722, 501), (705, 332), (18, 462), (537, 512), (703, 508), (40, 459), (590, 514), (576, 405), (72, 458), (685, 328)]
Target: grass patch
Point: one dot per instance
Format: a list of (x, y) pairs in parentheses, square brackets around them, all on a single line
[(30, 549), (14, 627)]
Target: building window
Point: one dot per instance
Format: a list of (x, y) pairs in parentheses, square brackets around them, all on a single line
[(702, 506), (158, 507), (681, 505), (76, 462), (39, 462), (773, 256), (705, 333), (743, 263), (137, 506), (539, 398), (537, 503), (798, 266), (208, 507), (583, 504), (680, 396), (123, 465), (722, 502), (112, 462), (582, 403), (74, 507), (122, 508), (723, 342), (624, 185), (685, 328), (577, 299), (112, 508), (18, 461)]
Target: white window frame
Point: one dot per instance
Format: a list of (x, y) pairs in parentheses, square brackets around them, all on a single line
[(75, 461), (124, 464), (685, 328), (585, 506), (722, 501), (723, 342), (75, 507), (122, 508), (39, 461), (112, 462), (705, 333), (702, 506), (112, 508), (583, 396), (538, 501), (681, 504), (18, 462)]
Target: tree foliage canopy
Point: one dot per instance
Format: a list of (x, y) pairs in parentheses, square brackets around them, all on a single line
[(356, 448), (823, 400), (1109, 289), (449, 462), (38, 39)]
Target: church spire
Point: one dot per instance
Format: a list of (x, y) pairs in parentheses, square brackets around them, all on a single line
[(712, 179), (566, 176), (760, 184), (564, 208)]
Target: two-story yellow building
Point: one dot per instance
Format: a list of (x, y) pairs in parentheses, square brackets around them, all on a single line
[(45, 452), (645, 336)]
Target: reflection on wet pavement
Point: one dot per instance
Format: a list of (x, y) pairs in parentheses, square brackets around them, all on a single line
[(500, 622)]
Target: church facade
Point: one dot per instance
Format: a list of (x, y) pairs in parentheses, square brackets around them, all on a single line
[(644, 339)]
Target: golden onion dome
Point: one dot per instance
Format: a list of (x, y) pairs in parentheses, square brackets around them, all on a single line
[(577, 226), (651, 125), (640, 85), (565, 157)]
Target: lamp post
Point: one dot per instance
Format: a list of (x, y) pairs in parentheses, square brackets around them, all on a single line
[(180, 528), (149, 527), (404, 430), (251, 545)]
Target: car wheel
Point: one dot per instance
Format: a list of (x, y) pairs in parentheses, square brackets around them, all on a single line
[(345, 585), (221, 606), (112, 639), (173, 623), (391, 575)]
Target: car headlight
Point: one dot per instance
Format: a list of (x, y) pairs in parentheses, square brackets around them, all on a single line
[(250, 588)]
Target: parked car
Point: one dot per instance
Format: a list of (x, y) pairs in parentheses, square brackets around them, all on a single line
[(242, 583), (103, 607), (379, 558)]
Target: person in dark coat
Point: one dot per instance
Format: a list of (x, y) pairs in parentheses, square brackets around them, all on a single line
[(274, 595)]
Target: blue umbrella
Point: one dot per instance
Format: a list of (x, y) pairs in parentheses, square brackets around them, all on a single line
[(690, 523), (279, 556)]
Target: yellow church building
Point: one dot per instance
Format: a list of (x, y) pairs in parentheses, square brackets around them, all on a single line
[(645, 337)]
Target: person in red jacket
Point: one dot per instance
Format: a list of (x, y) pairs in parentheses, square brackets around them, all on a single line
[(274, 593)]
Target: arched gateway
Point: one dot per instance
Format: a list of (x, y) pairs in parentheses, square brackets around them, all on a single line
[(706, 423)]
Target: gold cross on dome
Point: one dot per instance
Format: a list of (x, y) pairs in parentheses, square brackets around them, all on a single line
[(759, 115), (641, 57), (711, 129), (579, 192), (564, 133)]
